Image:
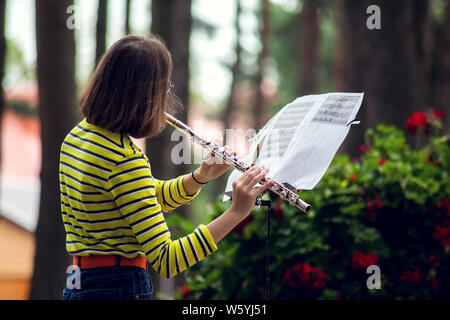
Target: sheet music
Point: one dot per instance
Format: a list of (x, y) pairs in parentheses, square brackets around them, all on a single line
[(300, 141), (282, 132), (336, 109)]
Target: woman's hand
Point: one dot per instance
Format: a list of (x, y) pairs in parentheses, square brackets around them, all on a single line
[(244, 197), (211, 167), (244, 194)]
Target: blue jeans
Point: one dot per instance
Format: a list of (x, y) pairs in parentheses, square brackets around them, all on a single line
[(111, 283)]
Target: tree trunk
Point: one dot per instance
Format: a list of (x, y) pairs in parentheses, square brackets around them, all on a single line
[(309, 47), (57, 113), (259, 107), (2, 65), (227, 114), (390, 65), (172, 21), (235, 69), (102, 17), (127, 17), (351, 68), (442, 68)]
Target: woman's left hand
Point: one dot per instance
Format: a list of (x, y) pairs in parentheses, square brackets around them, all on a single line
[(211, 167)]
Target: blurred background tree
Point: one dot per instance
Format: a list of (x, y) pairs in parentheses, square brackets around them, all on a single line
[(309, 38), (102, 19), (391, 65), (58, 115), (440, 76), (127, 17), (259, 104), (2, 64), (172, 22)]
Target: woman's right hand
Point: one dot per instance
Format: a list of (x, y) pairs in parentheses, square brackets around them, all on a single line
[(244, 196)]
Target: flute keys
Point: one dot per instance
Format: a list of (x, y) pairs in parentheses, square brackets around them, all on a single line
[(241, 163)]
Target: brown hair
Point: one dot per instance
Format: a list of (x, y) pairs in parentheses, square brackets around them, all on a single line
[(128, 92)]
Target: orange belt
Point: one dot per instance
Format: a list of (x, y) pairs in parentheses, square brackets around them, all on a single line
[(100, 261)]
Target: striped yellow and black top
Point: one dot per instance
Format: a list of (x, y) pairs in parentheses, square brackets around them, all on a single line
[(111, 204)]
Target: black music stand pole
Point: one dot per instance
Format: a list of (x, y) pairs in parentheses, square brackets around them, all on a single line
[(268, 204), (265, 203)]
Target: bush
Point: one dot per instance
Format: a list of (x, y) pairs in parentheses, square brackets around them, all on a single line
[(390, 208), (22, 108)]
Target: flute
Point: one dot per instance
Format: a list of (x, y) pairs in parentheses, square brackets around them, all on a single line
[(219, 151)]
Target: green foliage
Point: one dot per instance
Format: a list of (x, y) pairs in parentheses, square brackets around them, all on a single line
[(22, 108), (388, 203), (16, 68)]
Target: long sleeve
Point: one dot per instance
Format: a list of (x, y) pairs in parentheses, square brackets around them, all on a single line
[(171, 193), (135, 193)]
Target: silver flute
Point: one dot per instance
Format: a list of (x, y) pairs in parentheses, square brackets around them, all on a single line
[(284, 192)]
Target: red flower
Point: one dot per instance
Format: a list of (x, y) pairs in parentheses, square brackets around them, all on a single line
[(240, 228), (411, 277), (278, 210), (371, 214), (442, 234), (305, 276), (361, 260), (363, 148), (443, 204), (410, 126), (372, 206), (418, 119), (382, 161), (378, 203), (434, 260), (438, 114), (184, 289), (446, 204), (353, 177)]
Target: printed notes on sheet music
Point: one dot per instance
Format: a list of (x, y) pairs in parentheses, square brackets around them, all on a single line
[(336, 109), (282, 130)]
